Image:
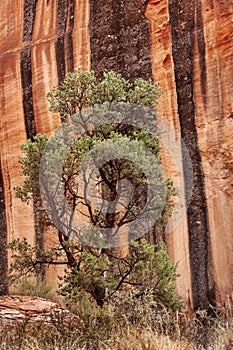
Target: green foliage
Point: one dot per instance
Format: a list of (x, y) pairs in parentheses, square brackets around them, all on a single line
[(146, 270), (25, 259), (23, 256), (112, 88), (145, 93), (30, 164), (77, 91), (100, 274), (81, 89)]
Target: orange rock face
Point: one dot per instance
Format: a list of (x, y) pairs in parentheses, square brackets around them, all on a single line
[(209, 73), (191, 56), (36, 50), (214, 107), (163, 72)]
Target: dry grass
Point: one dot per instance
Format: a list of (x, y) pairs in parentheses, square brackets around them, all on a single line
[(123, 324), (111, 328), (33, 287), (127, 339)]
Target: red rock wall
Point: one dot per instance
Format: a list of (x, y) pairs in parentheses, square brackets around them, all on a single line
[(37, 48), (163, 72), (42, 40), (206, 27), (214, 108)]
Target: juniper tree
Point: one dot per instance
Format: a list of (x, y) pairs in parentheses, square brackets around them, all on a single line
[(103, 150)]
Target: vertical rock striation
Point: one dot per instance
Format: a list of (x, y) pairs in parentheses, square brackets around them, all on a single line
[(120, 41), (192, 58), (120, 38), (29, 11), (41, 40), (20, 221), (3, 238), (26, 80), (183, 23), (177, 235), (62, 15), (38, 39), (213, 91)]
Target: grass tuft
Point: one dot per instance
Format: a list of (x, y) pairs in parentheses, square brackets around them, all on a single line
[(126, 324)]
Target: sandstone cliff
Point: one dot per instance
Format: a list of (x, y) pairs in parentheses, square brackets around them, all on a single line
[(185, 45), (192, 56)]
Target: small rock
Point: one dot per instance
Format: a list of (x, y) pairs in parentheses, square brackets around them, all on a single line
[(35, 310)]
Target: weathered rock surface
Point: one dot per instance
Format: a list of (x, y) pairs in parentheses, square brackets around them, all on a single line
[(36, 311), (163, 72), (191, 48), (192, 57), (40, 42)]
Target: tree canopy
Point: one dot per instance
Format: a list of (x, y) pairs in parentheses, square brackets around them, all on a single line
[(99, 181)]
